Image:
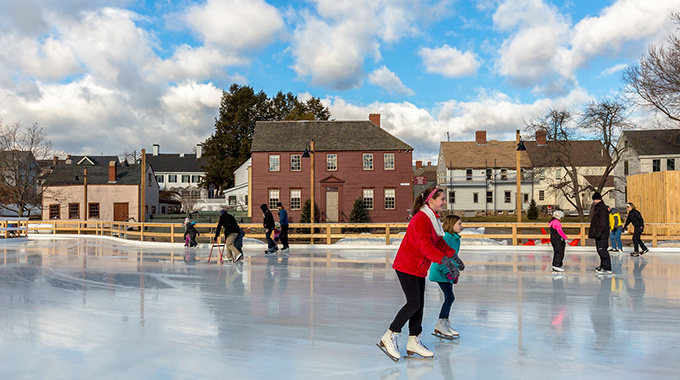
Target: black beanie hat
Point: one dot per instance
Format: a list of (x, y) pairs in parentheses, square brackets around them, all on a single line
[(597, 195)]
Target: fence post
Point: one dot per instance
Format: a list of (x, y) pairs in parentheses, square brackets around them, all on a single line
[(172, 233), (583, 235), (654, 236), (141, 231), (514, 235), (387, 234), (328, 234)]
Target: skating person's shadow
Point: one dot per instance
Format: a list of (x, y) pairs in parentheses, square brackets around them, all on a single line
[(601, 314), (637, 291)]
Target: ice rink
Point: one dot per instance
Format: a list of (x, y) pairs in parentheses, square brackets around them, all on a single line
[(96, 308)]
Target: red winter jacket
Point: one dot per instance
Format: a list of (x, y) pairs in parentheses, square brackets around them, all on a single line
[(420, 247)]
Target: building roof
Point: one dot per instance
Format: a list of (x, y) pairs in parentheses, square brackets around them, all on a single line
[(93, 160), (493, 154), (176, 163), (584, 153), (64, 174), (429, 172), (294, 136), (652, 142), (594, 180)]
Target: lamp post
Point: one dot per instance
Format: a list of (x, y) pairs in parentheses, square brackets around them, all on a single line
[(309, 153), (520, 148)]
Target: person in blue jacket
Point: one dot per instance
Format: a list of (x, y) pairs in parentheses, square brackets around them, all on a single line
[(452, 226)]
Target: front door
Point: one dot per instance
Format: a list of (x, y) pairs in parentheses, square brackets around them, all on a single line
[(332, 205), (120, 212)]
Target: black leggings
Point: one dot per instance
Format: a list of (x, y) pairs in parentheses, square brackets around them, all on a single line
[(414, 290), (637, 241)]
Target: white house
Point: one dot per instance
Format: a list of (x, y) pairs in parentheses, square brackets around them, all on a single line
[(237, 196)]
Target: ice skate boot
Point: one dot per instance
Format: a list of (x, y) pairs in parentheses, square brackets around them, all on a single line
[(557, 269), (441, 330), (415, 346), (451, 330), (388, 344)]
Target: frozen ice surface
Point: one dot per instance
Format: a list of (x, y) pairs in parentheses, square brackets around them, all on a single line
[(91, 308)]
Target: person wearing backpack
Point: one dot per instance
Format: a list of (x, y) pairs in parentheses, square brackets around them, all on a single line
[(616, 226)]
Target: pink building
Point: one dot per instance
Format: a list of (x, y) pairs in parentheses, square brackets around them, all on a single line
[(353, 160)]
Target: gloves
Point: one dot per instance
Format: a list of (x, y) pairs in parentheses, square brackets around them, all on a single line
[(451, 278), (451, 267)]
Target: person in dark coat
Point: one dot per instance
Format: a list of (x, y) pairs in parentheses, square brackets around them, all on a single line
[(599, 230), (283, 221), (268, 224), (635, 218), (231, 231)]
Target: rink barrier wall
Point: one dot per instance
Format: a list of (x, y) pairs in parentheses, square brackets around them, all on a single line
[(325, 233)]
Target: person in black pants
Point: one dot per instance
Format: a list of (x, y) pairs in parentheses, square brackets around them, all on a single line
[(635, 218), (283, 221), (268, 225), (599, 230)]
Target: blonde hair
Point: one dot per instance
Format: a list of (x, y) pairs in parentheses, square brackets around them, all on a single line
[(448, 223), (631, 205)]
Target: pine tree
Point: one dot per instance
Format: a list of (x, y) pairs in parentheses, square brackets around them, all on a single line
[(359, 213), (532, 212), (305, 217)]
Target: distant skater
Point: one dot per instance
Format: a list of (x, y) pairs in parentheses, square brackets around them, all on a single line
[(558, 241), (268, 225), (422, 244), (283, 222), (438, 273), (599, 230), (231, 233), (616, 227), (190, 233), (635, 218)]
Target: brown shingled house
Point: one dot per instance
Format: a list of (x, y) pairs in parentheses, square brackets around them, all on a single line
[(353, 160)]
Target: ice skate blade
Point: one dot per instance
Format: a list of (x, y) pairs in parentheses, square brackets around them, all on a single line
[(410, 355), (383, 349), (447, 337)]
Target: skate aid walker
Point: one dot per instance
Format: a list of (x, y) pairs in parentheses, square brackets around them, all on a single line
[(220, 248)]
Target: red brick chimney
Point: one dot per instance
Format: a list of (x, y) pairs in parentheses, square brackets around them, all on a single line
[(419, 164), (541, 138), (55, 161), (112, 171), (480, 137), (374, 118)]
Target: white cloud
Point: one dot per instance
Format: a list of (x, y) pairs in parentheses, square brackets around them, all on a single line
[(612, 70), (198, 64), (235, 24), (449, 62), (388, 80)]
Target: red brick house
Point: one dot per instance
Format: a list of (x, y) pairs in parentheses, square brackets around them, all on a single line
[(353, 160)]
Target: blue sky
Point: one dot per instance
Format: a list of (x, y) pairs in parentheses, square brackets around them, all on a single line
[(113, 76)]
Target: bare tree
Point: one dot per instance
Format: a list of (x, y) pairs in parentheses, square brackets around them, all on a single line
[(655, 82), (20, 150), (603, 121)]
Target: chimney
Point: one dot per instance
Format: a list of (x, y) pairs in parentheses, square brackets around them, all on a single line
[(68, 160), (419, 164), (480, 137), (55, 160), (112, 171), (374, 118), (429, 163), (156, 149), (199, 151), (541, 137)]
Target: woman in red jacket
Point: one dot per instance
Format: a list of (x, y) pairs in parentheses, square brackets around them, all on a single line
[(423, 244)]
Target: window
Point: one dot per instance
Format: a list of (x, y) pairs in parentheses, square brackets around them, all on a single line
[(541, 174), (172, 178), (489, 197), (656, 165), (526, 198), (273, 198), (558, 173), (368, 161), (625, 167), (160, 178), (389, 161), (295, 162), (475, 197), (504, 174), (331, 162), (162, 209), (670, 164), (55, 212), (452, 197), (232, 200), (93, 210), (541, 195), (468, 174), (74, 210), (153, 209), (390, 199), (295, 199), (185, 178), (274, 162), (508, 197), (368, 199), (195, 178), (489, 173)]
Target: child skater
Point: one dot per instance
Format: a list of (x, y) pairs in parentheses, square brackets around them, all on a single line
[(557, 239), (438, 273), (422, 244), (190, 233)]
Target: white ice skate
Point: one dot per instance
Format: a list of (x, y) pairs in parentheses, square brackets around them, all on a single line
[(415, 346), (441, 330), (388, 344), (453, 332)]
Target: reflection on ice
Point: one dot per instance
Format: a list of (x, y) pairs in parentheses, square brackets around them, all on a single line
[(83, 308)]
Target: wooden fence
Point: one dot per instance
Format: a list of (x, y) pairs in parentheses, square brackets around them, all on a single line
[(656, 197), (13, 227), (327, 233)]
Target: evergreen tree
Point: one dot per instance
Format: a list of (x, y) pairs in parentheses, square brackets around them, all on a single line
[(532, 212), (359, 213), (305, 216)]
